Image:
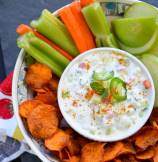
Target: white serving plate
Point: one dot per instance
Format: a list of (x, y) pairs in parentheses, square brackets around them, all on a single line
[(20, 92)]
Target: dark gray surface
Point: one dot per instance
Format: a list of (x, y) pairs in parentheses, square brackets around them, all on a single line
[(14, 12)]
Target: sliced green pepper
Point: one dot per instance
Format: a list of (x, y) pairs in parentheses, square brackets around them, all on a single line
[(99, 89), (37, 54), (101, 76), (51, 27), (118, 89), (98, 24)]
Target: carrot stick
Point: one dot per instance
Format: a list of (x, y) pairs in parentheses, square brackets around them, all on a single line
[(22, 29), (72, 17), (76, 10), (86, 2), (64, 53)]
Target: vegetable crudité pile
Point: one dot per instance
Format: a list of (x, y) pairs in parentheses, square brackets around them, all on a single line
[(53, 41)]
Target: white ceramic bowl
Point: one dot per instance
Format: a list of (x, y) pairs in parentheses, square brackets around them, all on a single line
[(77, 126), (21, 92)]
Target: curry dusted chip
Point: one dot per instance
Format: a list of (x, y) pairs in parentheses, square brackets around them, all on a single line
[(155, 158), (38, 75), (27, 106), (43, 121), (112, 151), (148, 136), (147, 154), (92, 152), (48, 98), (73, 147), (58, 141)]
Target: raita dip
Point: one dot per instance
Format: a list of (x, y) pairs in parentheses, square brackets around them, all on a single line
[(106, 93)]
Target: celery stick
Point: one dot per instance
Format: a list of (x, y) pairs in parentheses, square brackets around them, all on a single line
[(23, 42), (55, 31), (48, 50), (48, 15), (99, 25)]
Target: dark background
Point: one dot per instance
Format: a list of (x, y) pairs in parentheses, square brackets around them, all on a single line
[(12, 13)]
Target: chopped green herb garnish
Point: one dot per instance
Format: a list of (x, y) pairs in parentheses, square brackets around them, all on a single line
[(97, 87), (118, 89), (141, 114), (101, 76), (105, 94), (92, 132), (65, 94), (109, 131)]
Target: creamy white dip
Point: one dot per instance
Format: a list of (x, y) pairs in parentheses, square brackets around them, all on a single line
[(105, 116)]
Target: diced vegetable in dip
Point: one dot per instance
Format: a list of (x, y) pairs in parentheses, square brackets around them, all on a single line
[(104, 93)]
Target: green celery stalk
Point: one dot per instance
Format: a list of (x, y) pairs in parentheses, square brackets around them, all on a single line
[(48, 15), (48, 50), (23, 42), (99, 25), (51, 27)]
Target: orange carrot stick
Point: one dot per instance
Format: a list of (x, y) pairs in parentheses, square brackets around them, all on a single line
[(76, 10), (72, 17), (73, 28), (86, 2), (22, 29)]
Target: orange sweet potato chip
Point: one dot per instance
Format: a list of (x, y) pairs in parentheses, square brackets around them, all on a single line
[(43, 121), (118, 148), (48, 98), (148, 136), (127, 148), (155, 158), (62, 154), (70, 132), (154, 115), (44, 89), (27, 106), (73, 159), (82, 141), (53, 83), (112, 151), (147, 154), (38, 75), (73, 147), (92, 152), (129, 158), (117, 160), (58, 141)]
